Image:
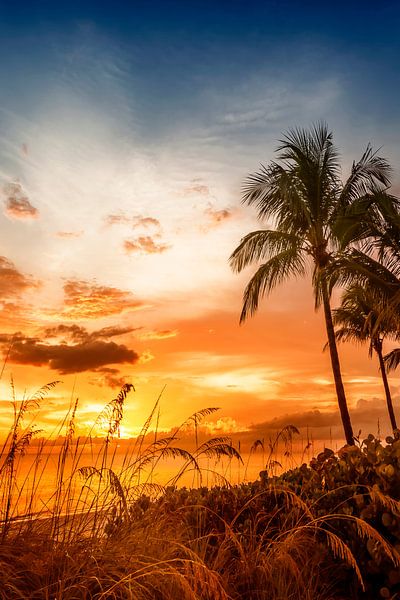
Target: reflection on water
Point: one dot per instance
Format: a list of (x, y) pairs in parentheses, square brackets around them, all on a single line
[(47, 477)]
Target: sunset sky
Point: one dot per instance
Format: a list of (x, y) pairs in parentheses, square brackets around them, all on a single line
[(127, 129)]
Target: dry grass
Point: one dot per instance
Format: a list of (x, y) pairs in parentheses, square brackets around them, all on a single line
[(113, 532), (158, 558)]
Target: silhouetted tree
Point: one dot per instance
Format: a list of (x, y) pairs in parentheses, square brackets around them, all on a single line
[(304, 196), (359, 319)]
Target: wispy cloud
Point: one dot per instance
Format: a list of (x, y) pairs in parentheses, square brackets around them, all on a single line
[(158, 334), (146, 222), (145, 244), (12, 281), (17, 204), (195, 189), (68, 235), (88, 300), (135, 222), (76, 333), (109, 377)]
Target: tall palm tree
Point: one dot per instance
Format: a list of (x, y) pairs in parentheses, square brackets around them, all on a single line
[(303, 194), (359, 319)]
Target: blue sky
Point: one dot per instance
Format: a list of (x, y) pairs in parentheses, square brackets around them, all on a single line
[(181, 61)]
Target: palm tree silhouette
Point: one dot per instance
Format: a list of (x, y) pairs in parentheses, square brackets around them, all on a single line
[(303, 194), (359, 319)]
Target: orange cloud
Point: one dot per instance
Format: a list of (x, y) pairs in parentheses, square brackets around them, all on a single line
[(146, 222), (160, 334), (12, 281), (84, 300), (217, 216), (17, 205), (69, 234), (120, 219), (146, 357), (197, 188), (135, 221), (145, 244)]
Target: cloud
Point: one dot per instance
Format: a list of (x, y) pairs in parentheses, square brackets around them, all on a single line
[(12, 281), (145, 245), (146, 222), (196, 189), (77, 333), (217, 216), (367, 416), (120, 219), (159, 334), (85, 300), (109, 377), (113, 331), (67, 358), (17, 205), (69, 234), (146, 357), (135, 221), (310, 418)]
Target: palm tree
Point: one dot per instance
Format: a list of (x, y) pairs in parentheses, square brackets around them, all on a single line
[(359, 319), (374, 222), (303, 194)]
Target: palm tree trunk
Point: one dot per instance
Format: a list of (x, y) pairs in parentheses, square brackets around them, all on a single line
[(337, 375), (387, 389)]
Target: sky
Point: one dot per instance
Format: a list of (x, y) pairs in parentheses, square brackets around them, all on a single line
[(127, 130)]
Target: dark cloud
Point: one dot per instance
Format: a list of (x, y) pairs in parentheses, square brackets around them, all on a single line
[(12, 281), (310, 418), (74, 333), (368, 416), (146, 245), (77, 333), (113, 331), (67, 358), (85, 300), (17, 205), (109, 377)]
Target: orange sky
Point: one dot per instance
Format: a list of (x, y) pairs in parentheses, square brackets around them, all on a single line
[(94, 337)]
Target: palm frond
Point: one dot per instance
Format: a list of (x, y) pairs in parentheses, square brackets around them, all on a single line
[(279, 268), (356, 267), (261, 245), (365, 174), (392, 360)]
